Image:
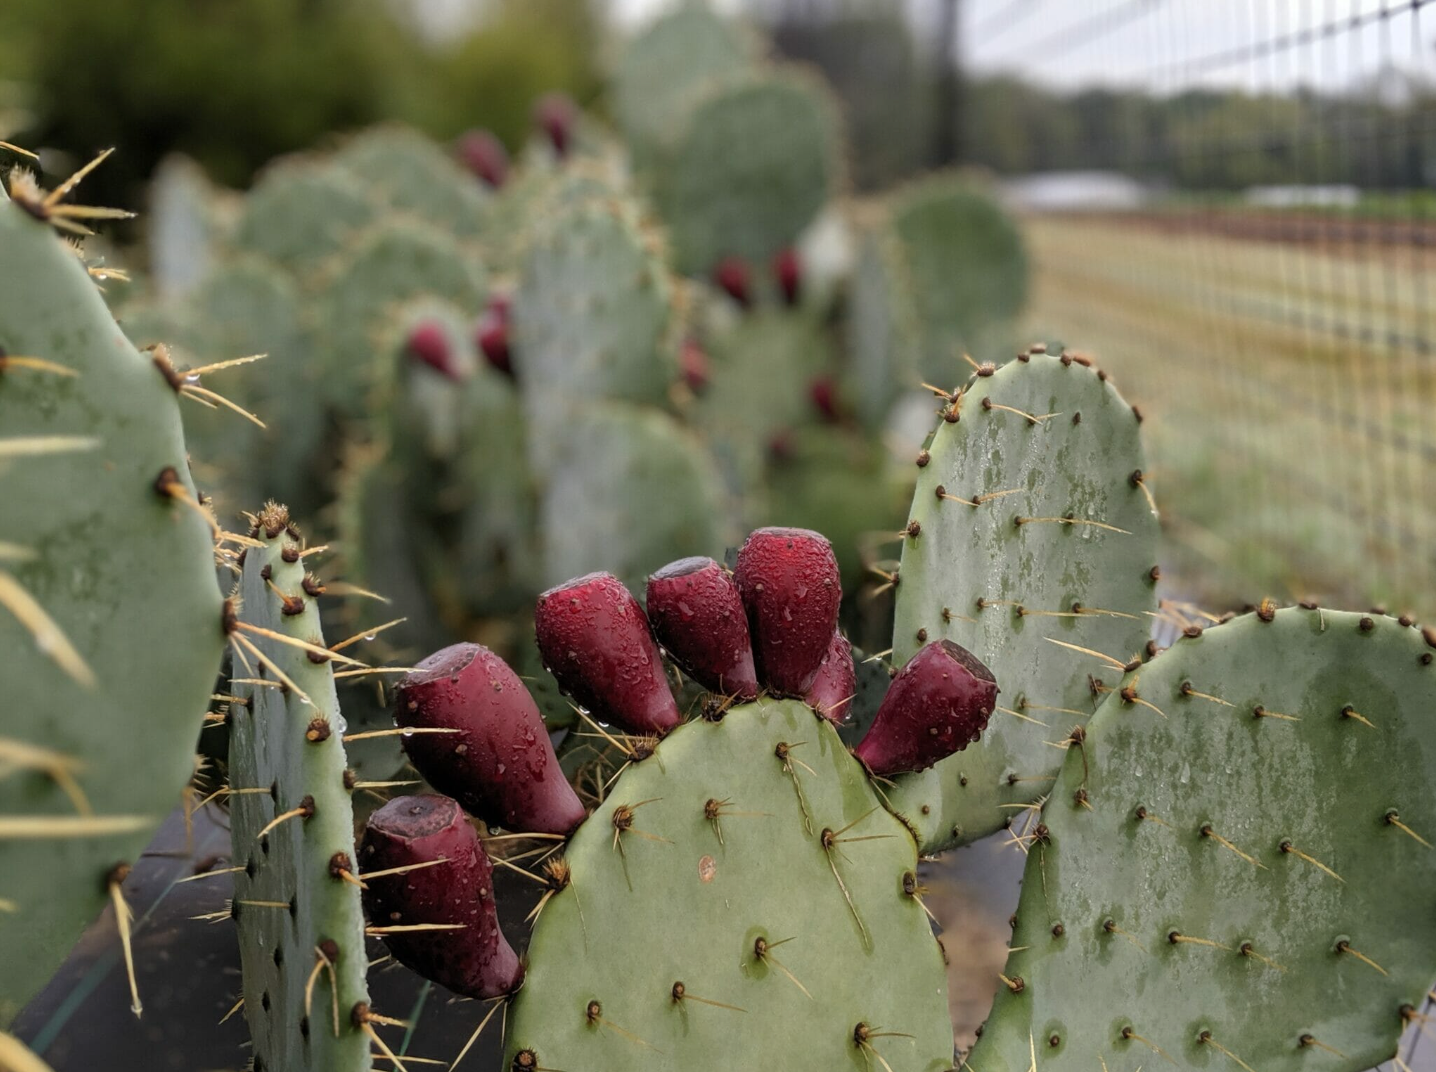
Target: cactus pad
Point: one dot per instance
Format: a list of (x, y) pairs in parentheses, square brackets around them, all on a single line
[(663, 69), (109, 612), (301, 211), (594, 312), (1048, 441), (661, 895), (296, 916), (391, 264), (1235, 877), (628, 487), (756, 161), (945, 271), (413, 175)]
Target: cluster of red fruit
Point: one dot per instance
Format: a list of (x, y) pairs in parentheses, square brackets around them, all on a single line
[(770, 626)]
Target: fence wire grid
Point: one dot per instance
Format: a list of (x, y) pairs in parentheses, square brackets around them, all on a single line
[(1227, 203)]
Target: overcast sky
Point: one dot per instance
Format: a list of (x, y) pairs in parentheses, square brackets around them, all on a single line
[(1170, 44)]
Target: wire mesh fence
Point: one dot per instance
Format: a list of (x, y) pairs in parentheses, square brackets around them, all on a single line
[(1238, 225)]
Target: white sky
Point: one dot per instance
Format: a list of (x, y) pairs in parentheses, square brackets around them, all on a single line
[(1150, 42)]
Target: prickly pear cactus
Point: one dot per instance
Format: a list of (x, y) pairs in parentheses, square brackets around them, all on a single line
[(301, 211), (757, 158), (741, 899), (943, 270), (670, 63), (301, 926), (412, 175), (1031, 534), (627, 487), (594, 312), (110, 618), (393, 263), (1231, 870)]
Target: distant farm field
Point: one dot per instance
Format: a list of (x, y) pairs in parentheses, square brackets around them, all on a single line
[(1287, 380)]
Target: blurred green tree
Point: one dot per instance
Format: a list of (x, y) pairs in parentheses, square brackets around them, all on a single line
[(235, 82)]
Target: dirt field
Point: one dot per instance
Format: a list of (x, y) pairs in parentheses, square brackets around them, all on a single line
[(1288, 388)]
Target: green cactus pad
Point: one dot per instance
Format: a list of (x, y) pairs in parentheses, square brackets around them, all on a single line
[(945, 272), (293, 746), (301, 211), (763, 368), (1060, 437), (672, 903), (668, 65), (627, 487), (392, 264), (111, 676), (527, 201), (409, 173), (883, 331), (496, 505), (249, 305), (755, 162), (594, 311), (1224, 950)]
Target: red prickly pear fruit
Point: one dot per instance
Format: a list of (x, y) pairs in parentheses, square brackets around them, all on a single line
[(594, 638), (731, 273), (492, 336), (483, 154), (477, 961), (500, 765), (427, 343), (824, 393), (698, 616), (781, 447), (791, 590), (693, 361), (788, 271), (832, 690), (555, 114), (938, 704)]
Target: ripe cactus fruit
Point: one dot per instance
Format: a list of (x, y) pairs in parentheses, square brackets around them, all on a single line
[(788, 274), (791, 589), (439, 876), (492, 335), (1031, 535), (1236, 855), (698, 617), (110, 618), (484, 155), (428, 343), (824, 393), (595, 640), (832, 691), (732, 276), (499, 765), (555, 114), (938, 704), (301, 926), (678, 941), (694, 364)]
